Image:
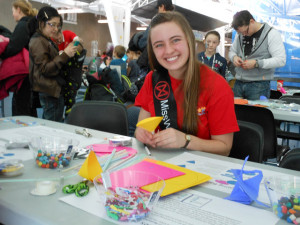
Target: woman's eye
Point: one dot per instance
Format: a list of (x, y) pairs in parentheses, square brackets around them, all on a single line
[(176, 40), (158, 45)]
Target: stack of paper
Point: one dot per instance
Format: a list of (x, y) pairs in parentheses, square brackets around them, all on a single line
[(176, 177)]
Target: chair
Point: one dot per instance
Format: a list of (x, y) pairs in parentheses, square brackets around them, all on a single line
[(248, 141), (100, 115), (263, 117), (286, 134), (291, 160), (291, 99), (275, 94)]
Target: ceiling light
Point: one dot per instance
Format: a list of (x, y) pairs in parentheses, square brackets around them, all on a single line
[(141, 28), (75, 10), (102, 21), (106, 21)]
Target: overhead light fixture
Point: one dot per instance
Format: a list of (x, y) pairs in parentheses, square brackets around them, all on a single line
[(74, 10), (102, 21), (141, 28), (106, 21)]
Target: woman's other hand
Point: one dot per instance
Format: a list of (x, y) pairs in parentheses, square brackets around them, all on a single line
[(169, 138), (144, 136)]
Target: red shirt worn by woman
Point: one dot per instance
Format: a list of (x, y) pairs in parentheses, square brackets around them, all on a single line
[(215, 105)]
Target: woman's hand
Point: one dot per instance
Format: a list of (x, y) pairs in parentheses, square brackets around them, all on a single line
[(70, 50), (144, 136), (169, 138)]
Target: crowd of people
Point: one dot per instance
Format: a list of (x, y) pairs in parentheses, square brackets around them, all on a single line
[(188, 88)]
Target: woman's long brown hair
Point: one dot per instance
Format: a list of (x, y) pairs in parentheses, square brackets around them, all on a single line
[(191, 79)]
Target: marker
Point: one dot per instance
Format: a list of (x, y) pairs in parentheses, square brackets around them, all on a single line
[(147, 150)]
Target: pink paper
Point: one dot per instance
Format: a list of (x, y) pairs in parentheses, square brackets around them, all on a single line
[(104, 149), (118, 180)]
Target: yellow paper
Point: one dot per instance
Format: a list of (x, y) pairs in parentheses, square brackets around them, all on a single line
[(175, 184), (91, 167), (150, 123)]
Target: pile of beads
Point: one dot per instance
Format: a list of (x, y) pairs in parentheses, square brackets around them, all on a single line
[(52, 160), (288, 209), (127, 204)]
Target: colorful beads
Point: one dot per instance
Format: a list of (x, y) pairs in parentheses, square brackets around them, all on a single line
[(127, 205), (288, 209), (52, 160)]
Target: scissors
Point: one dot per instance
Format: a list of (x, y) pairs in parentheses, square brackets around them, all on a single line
[(81, 189)]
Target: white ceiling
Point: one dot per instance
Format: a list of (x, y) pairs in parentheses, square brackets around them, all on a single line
[(217, 9)]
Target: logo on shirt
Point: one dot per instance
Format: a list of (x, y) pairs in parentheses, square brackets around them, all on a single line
[(201, 111), (162, 90)]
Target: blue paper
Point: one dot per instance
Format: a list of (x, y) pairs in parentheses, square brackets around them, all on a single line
[(262, 97), (246, 191)]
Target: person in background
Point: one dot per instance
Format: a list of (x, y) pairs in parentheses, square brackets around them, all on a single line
[(210, 56), (196, 114), (64, 38), (133, 69), (12, 77), (72, 70), (103, 55), (46, 64), (118, 53), (256, 51), (143, 61), (22, 11)]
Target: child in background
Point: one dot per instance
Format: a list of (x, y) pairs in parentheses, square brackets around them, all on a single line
[(210, 56), (118, 53), (72, 71)]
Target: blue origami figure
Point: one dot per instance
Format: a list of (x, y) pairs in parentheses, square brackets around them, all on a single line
[(246, 191)]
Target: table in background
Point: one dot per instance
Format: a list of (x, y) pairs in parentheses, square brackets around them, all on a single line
[(279, 114), (18, 206)]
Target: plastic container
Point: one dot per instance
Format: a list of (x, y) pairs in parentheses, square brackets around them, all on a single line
[(284, 195), (125, 200), (11, 168), (53, 152), (93, 67)]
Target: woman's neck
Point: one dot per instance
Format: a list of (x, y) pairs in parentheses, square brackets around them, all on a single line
[(179, 73)]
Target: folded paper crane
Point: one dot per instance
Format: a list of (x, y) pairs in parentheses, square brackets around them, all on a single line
[(150, 123), (246, 191)]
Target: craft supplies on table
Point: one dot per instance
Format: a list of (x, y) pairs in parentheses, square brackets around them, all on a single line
[(128, 202)]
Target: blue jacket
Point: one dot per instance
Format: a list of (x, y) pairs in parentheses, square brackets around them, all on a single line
[(216, 62)]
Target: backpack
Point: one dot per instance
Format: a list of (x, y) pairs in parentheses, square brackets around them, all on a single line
[(104, 86), (130, 89)]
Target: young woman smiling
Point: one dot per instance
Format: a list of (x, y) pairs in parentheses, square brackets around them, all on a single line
[(196, 103)]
